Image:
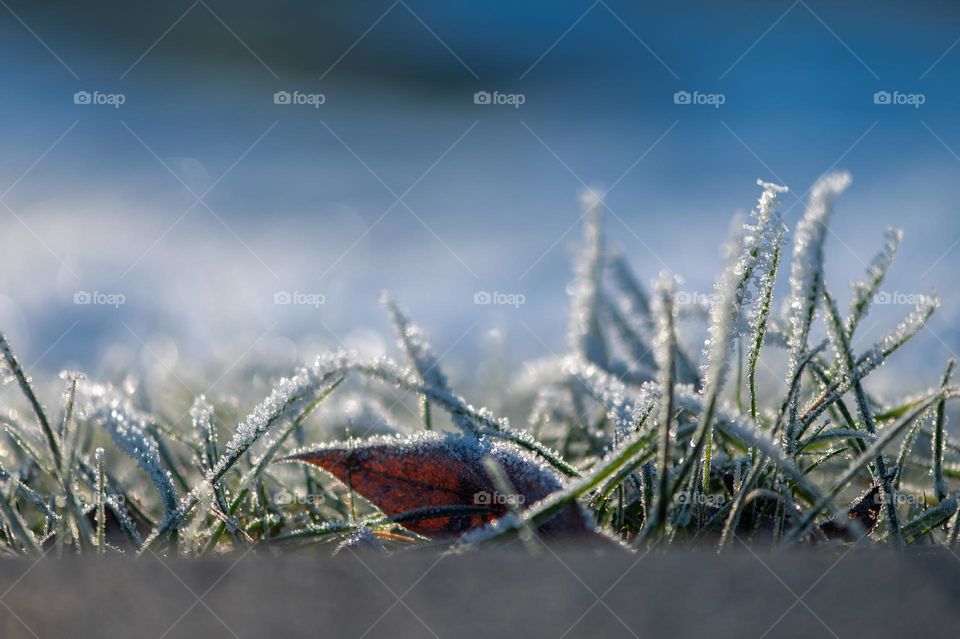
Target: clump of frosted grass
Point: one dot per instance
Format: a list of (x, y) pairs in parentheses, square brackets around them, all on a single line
[(652, 438)]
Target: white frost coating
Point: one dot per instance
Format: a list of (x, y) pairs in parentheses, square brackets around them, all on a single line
[(204, 432), (72, 376), (763, 239), (545, 380), (585, 333), (865, 289), (528, 473), (806, 269), (288, 400), (291, 396), (361, 539), (729, 293), (727, 419), (662, 312), (412, 340), (128, 428), (906, 329), (612, 393), (552, 406), (629, 310), (759, 238), (633, 300), (876, 355), (414, 343), (388, 371), (750, 253), (202, 414)]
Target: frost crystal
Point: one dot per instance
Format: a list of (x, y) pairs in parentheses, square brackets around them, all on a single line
[(864, 290), (361, 539), (289, 399), (612, 393), (204, 433), (665, 313), (806, 271), (414, 343), (128, 428), (730, 291), (906, 329), (585, 333)]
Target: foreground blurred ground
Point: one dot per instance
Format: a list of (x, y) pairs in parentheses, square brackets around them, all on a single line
[(805, 594)]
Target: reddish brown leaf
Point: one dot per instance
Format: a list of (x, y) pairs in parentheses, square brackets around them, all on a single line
[(430, 470)]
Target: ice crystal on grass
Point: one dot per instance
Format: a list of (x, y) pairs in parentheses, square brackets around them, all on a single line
[(763, 242), (129, 429), (806, 270), (586, 333), (806, 276), (609, 391), (205, 433), (290, 398), (730, 292), (905, 330), (864, 290), (362, 540), (414, 343)]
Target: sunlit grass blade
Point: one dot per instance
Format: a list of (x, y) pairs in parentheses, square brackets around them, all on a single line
[(666, 348), (806, 278), (939, 437), (841, 345)]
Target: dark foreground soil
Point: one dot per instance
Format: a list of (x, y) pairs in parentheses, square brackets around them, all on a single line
[(559, 593)]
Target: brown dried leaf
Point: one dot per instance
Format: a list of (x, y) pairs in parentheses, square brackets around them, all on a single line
[(404, 474)]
